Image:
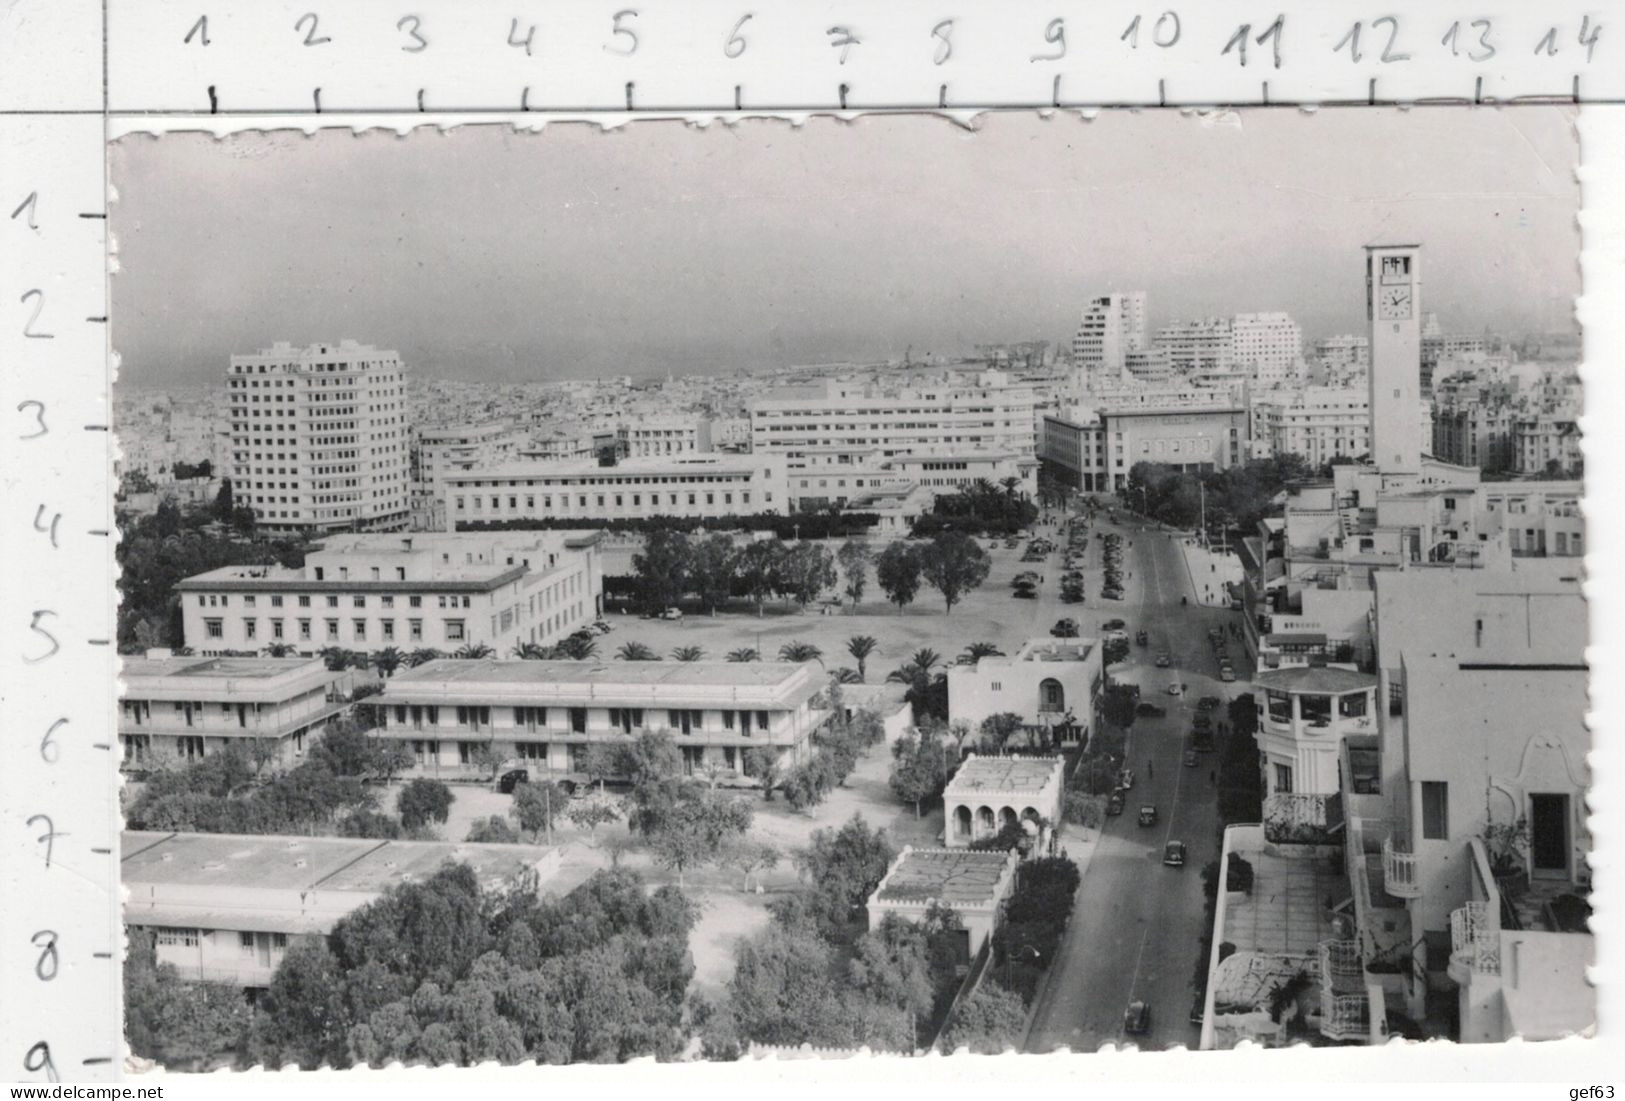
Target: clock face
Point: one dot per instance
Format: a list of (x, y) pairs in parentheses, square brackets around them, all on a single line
[(1394, 303)]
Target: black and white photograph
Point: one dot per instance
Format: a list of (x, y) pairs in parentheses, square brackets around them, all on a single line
[(1044, 582)]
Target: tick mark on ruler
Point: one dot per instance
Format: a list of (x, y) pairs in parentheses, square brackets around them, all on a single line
[(103, 745), (95, 1061), (97, 641), (102, 852), (97, 320), (93, 215), (102, 955), (97, 531), (95, 428)]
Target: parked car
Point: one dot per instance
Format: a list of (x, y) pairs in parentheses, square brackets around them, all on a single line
[(1208, 703), (1137, 1018), (1025, 592), (1175, 688), (1150, 711), (1113, 625), (672, 613), (1148, 814), (1113, 594), (1065, 628), (1190, 758), (1202, 721), (1173, 854), (1114, 803), (1227, 675), (602, 626), (1125, 780), (1141, 638), (1164, 661), (513, 779)]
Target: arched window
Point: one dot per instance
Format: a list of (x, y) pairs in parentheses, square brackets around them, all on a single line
[(1051, 696), (962, 821), (984, 820)]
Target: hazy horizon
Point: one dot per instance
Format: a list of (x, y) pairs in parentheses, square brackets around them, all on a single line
[(483, 253)]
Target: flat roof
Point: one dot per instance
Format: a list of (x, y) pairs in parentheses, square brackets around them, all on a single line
[(1003, 774), (1315, 679), (250, 668), (950, 876), (757, 674), (243, 579), (705, 462), (275, 862)]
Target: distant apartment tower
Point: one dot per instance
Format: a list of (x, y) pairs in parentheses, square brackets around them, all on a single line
[(1204, 345), (1317, 423), (1342, 351), (442, 449), (1267, 346), (648, 437), (1112, 326), (319, 437)]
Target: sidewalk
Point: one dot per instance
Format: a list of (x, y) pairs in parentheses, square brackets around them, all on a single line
[(1081, 853), (1209, 572)]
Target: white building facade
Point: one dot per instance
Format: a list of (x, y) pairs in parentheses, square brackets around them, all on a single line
[(319, 437)]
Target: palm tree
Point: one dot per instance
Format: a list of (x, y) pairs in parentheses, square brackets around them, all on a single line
[(688, 653), (1011, 485), (920, 674), (577, 648), (636, 651), (745, 653), (279, 650), (423, 655), (847, 675), (386, 661), (860, 647), (336, 658), (976, 651), (470, 650), (531, 651), (801, 651)]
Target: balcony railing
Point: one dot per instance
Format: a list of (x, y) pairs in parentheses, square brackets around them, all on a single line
[(1475, 941), (1345, 1016), (1400, 873)]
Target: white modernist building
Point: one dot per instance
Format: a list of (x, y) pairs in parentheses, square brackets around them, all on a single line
[(974, 885), (1054, 684), (456, 715), (705, 485), (1267, 346), (1318, 423), (948, 414), (227, 907), (408, 592), (176, 710), (438, 450), (1112, 326), (1200, 346), (989, 794), (319, 437), (1093, 447)]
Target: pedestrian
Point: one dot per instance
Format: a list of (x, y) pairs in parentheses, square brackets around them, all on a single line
[(1150, 769), (1212, 777)]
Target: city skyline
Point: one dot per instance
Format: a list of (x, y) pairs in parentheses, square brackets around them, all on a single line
[(758, 269)]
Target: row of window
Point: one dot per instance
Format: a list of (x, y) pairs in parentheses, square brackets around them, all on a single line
[(626, 719), (602, 500), (452, 630), (359, 600)]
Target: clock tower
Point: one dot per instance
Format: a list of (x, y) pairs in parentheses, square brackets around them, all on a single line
[(1392, 285)]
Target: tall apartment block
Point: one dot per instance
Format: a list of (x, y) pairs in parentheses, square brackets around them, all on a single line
[(1112, 327), (319, 438), (1268, 346)]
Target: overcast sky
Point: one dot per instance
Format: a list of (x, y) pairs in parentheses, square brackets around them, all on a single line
[(480, 252)]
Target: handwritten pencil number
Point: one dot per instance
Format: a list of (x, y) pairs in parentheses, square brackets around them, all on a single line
[(412, 25), (38, 297), (618, 27), (39, 418), (735, 44), (34, 626), (311, 37), (1482, 50), (525, 42), (49, 751), (843, 39), (1271, 34), (1164, 33), (38, 1058), (45, 966), (1388, 56), (943, 32), (1055, 35)]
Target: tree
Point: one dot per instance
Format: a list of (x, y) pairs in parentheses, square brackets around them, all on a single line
[(688, 653), (591, 812), (697, 829), (781, 991), (224, 506), (387, 661), (891, 965), (301, 1018), (919, 767), (745, 654), (758, 570), (336, 658), (800, 652), (843, 867), (751, 858), (492, 830), (854, 559), (989, 1022), (422, 801), (422, 656), (804, 571), (531, 651), (762, 765), (898, 572), (473, 651), (927, 685), (654, 765), (662, 570), (600, 761), (861, 647), (953, 564), (976, 651), (636, 651), (183, 1024), (998, 730), (714, 563), (538, 805)]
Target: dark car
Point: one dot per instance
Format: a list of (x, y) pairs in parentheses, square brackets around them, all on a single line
[(513, 779), (1208, 703), (1202, 721), (1113, 625), (1148, 814), (1150, 711), (1137, 1018), (1164, 661), (1173, 854), (1190, 758), (1114, 803)]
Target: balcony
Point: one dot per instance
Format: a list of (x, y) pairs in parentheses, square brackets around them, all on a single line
[(1345, 1006), (1401, 876), (1475, 942)]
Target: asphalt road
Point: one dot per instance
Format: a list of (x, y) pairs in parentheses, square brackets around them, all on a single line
[(1136, 927)]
